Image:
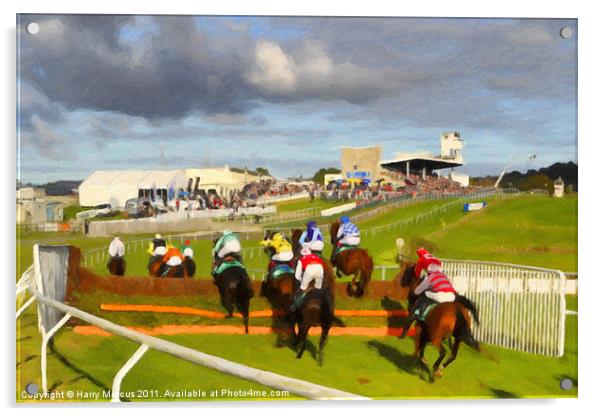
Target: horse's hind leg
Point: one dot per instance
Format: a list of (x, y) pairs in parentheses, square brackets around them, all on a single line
[(438, 343), (303, 330), (323, 341), (454, 352)]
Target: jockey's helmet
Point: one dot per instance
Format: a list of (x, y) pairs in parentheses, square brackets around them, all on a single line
[(158, 236), (226, 232), (311, 224), (344, 219), (421, 251)]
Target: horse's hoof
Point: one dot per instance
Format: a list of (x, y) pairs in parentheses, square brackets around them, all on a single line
[(438, 373)]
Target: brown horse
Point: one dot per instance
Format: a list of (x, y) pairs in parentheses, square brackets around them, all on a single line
[(445, 321), (279, 292), (356, 262), (117, 266), (158, 268)]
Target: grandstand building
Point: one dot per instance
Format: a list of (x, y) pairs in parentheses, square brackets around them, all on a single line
[(365, 163)]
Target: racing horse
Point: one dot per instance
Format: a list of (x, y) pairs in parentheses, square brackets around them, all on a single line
[(189, 266), (445, 321), (158, 268), (314, 311), (116, 265), (278, 288), (234, 289), (353, 261)]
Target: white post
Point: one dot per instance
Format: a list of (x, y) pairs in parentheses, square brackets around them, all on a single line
[(45, 339), (116, 389)]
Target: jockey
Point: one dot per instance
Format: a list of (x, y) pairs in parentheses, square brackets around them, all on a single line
[(427, 262), (158, 247), (434, 286), (227, 244), (116, 248), (310, 268), (173, 257), (282, 247), (348, 234), (312, 237), (186, 249)]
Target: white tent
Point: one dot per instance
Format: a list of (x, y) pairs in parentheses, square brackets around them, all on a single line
[(116, 187)]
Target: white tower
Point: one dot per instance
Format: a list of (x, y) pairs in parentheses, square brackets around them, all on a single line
[(451, 146), (559, 188)]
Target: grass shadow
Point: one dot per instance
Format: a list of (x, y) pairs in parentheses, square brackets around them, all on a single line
[(404, 362), (81, 373), (389, 304)]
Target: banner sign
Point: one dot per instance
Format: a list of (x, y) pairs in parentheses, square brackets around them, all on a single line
[(475, 206)]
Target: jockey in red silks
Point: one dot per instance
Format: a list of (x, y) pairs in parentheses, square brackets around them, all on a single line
[(434, 286)]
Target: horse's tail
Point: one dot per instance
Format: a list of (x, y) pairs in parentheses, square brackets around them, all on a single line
[(468, 304), (463, 330)]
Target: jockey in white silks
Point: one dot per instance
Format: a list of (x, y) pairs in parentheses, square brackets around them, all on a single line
[(227, 244), (312, 237), (116, 248), (348, 233)]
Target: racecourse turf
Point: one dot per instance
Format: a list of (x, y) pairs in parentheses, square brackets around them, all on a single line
[(534, 230)]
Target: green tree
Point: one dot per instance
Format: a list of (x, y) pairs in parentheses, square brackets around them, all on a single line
[(262, 171), (319, 175)]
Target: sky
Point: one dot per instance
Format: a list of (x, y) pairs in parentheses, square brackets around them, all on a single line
[(286, 93)]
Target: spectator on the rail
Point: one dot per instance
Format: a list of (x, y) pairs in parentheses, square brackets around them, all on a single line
[(116, 248)]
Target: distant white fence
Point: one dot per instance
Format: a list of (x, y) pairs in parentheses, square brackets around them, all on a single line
[(46, 281)]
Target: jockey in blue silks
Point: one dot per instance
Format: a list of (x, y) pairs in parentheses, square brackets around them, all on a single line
[(312, 237), (348, 234)]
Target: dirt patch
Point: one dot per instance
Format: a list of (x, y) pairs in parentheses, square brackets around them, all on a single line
[(84, 281)]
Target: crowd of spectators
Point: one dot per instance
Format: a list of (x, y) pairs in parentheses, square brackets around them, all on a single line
[(254, 194)]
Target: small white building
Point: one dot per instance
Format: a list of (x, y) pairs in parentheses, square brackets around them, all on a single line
[(34, 208), (558, 188)]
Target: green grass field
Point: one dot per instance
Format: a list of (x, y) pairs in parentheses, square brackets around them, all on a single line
[(532, 230)]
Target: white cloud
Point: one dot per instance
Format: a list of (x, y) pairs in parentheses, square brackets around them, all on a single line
[(274, 70)]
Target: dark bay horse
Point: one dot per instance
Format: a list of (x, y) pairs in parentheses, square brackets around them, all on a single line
[(116, 266), (445, 321), (158, 268), (314, 312), (279, 291), (356, 262), (189, 266), (235, 290)]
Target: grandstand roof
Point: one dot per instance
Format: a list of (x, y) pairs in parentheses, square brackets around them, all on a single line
[(418, 161)]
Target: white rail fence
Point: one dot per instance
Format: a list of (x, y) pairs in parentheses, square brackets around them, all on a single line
[(53, 314), (521, 308)]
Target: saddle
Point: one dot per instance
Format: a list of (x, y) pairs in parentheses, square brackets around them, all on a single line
[(342, 248), (228, 262), (279, 269), (423, 307)]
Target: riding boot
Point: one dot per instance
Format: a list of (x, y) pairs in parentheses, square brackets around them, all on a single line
[(407, 326)]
